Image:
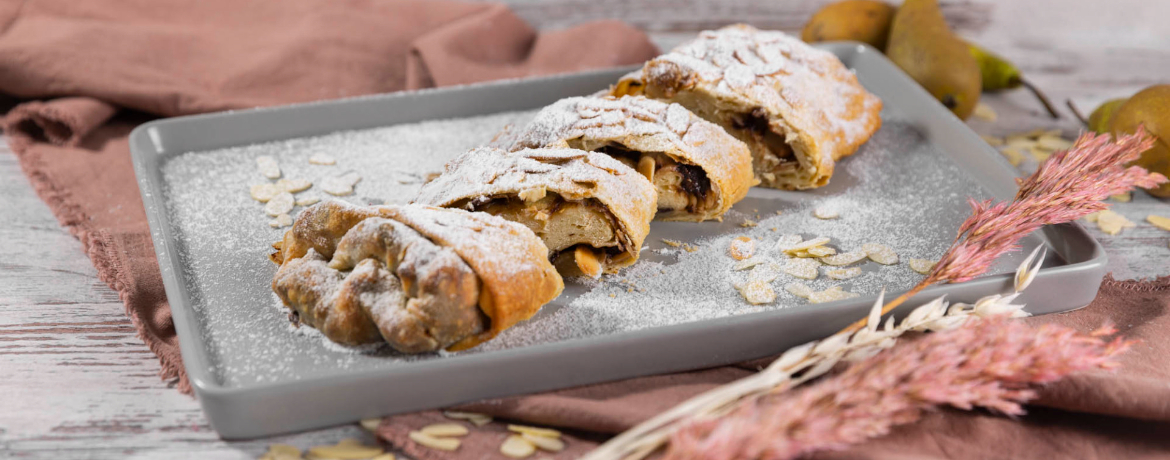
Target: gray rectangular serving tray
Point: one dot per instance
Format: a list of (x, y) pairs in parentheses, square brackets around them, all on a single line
[(270, 408)]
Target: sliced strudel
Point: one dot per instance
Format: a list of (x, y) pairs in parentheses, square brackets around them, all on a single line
[(591, 211), (698, 169), (419, 278), (798, 108)]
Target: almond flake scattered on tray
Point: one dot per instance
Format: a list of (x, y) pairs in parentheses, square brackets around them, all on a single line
[(264, 192), (322, 159), (742, 248), (282, 203), (831, 294), (803, 268), (922, 266), (293, 185), (756, 292), (806, 245), (846, 258), (281, 221), (825, 213), (786, 242), (843, 273), (341, 185), (798, 289), (268, 167), (880, 253)]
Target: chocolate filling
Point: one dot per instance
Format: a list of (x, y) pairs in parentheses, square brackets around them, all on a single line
[(756, 123), (694, 181)]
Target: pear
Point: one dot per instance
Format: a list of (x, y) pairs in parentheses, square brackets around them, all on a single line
[(1102, 117), (1000, 74), (924, 47), (866, 21), (1149, 108)]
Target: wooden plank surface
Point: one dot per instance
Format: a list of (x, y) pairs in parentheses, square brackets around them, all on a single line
[(79, 384)]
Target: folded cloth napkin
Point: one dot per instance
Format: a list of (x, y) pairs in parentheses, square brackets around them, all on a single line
[(1091, 415), (95, 58)]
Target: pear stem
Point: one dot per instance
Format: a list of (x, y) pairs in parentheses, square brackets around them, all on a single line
[(1043, 99), (1076, 112)]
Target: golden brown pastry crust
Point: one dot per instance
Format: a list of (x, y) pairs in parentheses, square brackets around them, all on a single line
[(741, 77), (434, 262), (645, 126), (482, 175)]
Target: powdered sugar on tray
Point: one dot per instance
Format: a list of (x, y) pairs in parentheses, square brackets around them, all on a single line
[(897, 191)]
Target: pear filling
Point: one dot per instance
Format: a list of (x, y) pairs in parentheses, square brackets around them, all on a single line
[(679, 186), (581, 236)]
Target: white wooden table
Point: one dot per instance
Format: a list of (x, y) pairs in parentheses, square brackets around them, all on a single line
[(75, 381)]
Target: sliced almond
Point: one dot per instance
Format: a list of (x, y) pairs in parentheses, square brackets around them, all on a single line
[(742, 248), (268, 167), (336, 186), (826, 213), (805, 245), (444, 430), (992, 140), (845, 258), (281, 221), (532, 194), (1092, 217), (802, 268), (345, 452), (284, 449), (748, 223), (1122, 197), (349, 442), (922, 266), (798, 289), (544, 442), (747, 263), (1013, 155), (385, 456), (371, 424), (756, 292), (832, 294), (1053, 143), (322, 159), (475, 418), (880, 253), (293, 185), (646, 167), (546, 432), (586, 261), (307, 201), (517, 447), (786, 242), (765, 273), (821, 251), (427, 440), (985, 112), (282, 203), (264, 192), (1113, 223), (843, 273), (1039, 154), (1159, 221), (672, 243)]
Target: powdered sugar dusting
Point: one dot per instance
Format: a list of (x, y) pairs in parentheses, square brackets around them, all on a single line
[(812, 89), (898, 191)]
